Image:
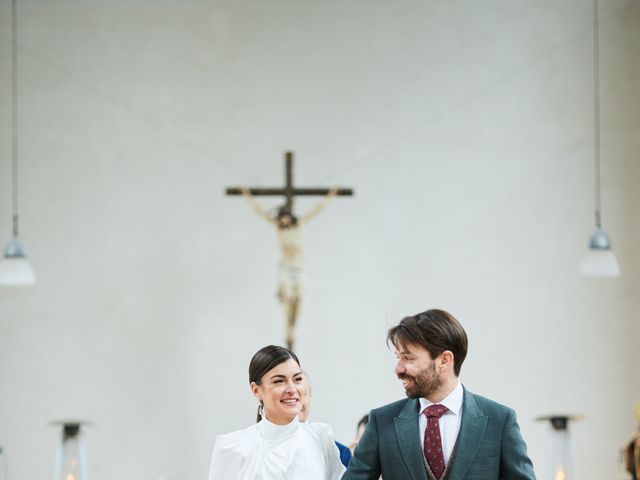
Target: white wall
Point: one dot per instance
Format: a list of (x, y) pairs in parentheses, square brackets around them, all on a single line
[(465, 128)]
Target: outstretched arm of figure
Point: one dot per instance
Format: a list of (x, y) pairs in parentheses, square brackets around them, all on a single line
[(246, 193), (319, 207)]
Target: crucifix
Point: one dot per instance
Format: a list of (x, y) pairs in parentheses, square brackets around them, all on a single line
[(288, 228)]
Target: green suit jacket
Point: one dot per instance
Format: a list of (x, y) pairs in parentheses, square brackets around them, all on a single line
[(489, 445)]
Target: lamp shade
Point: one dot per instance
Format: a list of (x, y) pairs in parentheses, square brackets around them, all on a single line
[(600, 260), (15, 269)]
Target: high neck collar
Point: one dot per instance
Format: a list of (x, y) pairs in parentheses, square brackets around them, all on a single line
[(271, 431)]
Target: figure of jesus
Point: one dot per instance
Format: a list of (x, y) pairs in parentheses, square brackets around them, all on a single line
[(291, 262)]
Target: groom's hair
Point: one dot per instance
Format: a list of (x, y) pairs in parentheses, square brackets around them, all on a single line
[(434, 330)]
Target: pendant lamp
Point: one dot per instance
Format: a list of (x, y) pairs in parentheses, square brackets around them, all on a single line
[(600, 261), (15, 269)]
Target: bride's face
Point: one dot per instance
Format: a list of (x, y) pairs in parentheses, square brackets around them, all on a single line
[(281, 390)]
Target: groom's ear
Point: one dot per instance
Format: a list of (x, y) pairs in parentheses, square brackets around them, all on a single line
[(446, 359)]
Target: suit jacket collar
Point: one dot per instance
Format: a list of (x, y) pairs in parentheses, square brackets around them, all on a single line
[(408, 435), (472, 427)]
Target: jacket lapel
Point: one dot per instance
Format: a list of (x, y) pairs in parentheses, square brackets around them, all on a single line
[(472, 428), (408, 435)]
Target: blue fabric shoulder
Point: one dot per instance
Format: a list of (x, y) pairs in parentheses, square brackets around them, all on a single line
[(345, 454)]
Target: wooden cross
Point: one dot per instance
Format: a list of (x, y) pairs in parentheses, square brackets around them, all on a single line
[(289, 291), (289, 191)]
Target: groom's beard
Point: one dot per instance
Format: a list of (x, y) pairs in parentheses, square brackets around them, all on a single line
[(424, 384)]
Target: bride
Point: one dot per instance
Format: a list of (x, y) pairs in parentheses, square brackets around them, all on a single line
[(278, 446)]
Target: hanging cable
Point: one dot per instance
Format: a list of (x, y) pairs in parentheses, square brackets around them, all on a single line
[(14, 116), (596, 109)]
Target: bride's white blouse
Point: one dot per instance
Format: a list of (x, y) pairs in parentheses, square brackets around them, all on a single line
[(265, 451)]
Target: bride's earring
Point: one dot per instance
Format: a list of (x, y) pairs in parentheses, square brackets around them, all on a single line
[(261, 409)]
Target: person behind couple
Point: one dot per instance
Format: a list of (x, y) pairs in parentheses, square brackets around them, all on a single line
[(442, 430), (278, 446), (362, 424)]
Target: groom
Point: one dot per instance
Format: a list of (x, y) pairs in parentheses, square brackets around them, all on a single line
[(442, 431)]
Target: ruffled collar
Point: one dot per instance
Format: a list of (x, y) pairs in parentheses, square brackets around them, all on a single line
[(273, 432)]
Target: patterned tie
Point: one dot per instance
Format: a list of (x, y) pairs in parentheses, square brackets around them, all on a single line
[(433, 440)]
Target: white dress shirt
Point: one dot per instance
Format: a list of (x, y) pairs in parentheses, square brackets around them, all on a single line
[(449, 422)]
